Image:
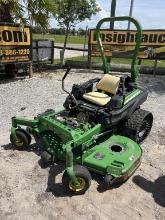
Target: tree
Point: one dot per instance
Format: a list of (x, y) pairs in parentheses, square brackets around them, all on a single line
[(25, 11), (81, 32), (71, 12)]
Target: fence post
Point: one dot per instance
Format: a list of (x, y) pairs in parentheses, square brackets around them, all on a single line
[(140, 61), (52, 52), (30, 70), (89, 50), (37, 52), (62, 56), (86, 33), (155, 66)]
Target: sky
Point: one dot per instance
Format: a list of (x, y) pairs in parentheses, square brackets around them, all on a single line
[(150, 13)]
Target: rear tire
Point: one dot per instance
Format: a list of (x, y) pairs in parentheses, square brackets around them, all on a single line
[(84, 178), (138, 125)]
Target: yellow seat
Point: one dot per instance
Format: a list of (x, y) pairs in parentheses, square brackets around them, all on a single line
[(109, 84), (97, 98)]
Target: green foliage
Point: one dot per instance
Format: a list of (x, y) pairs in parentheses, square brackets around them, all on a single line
[(10, 10), (71, 12), (27, 11), (40, 11), (81, 32)]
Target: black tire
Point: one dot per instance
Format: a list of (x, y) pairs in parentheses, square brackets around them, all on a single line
[(108, 179), (11, 70), (82, 175), (138, 125), (46, 158), (27, 134), (23, 140)]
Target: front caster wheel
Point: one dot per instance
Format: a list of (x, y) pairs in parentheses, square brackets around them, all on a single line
[(22, 140), (83, 177)]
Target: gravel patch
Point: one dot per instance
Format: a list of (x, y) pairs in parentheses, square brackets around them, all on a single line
[(27, 191)]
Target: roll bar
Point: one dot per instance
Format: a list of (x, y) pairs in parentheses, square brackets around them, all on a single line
[(134, 71)]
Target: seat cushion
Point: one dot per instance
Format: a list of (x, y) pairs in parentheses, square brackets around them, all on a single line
[(97, 98), (109, 84)]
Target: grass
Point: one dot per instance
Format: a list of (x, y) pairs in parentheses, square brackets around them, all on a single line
[(60, 38), (149, 63)]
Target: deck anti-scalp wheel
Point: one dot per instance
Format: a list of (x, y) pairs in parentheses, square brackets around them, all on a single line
[(138, 125), (108, 179), (23, 139), (84, 178), (47, 159)]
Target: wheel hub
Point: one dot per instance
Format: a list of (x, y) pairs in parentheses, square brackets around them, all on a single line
[(19, 142), (79, 187)]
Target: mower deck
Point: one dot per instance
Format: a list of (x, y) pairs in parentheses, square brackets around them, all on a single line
[(117, 156), (65, 138)]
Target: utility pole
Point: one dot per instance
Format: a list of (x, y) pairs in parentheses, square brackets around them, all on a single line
[(112, 14), (130, 13)]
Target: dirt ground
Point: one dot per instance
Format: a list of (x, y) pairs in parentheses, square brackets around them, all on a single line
[(27, 191)]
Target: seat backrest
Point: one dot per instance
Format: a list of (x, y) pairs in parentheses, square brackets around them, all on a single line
[(109, 84)]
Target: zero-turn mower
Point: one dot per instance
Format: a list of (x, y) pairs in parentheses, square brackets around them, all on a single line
[(98, 131)]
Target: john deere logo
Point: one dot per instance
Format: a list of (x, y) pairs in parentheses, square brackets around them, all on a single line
[(10, 36)]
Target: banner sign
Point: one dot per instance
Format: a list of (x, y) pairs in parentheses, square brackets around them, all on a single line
[(121, 43), (15, 44)]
